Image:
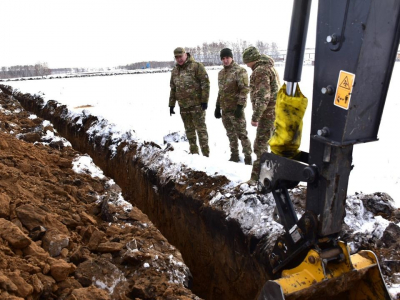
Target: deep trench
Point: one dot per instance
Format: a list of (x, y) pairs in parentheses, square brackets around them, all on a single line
[(225, 262)]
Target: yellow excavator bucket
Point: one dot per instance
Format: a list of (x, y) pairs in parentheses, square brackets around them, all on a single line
[(355, 277)]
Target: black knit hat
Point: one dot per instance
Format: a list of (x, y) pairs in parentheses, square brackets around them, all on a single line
[(226, 52)]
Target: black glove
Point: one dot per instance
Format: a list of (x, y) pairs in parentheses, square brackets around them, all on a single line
[(217, 112), (204, 106), (171, 110), (239, 111)]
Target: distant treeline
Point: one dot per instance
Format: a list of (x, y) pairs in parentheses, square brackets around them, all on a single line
[(148, 64), (39, 69), (208, 54), (69, 70)]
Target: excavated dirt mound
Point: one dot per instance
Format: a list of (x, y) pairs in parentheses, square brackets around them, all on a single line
[(65, 235)]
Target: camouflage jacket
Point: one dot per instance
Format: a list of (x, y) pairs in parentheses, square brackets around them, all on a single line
[(189, 83), (264, 86), (233, 83)]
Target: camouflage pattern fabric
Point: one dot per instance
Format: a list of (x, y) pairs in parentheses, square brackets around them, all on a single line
[(189, 83), (194, 120), (265, 130), (233, 83), (250, 54), (236, 130), (190, 86), (264, 86), (179, 51)]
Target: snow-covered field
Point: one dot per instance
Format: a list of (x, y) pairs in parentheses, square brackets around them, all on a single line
[(140, 103)]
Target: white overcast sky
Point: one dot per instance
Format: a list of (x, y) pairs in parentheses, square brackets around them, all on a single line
[(103, 33)]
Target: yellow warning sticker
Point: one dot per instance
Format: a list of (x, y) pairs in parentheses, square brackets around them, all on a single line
[(344, 89)]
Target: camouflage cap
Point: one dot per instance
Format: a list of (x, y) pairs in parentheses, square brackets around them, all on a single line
[(179, 51), (250, 54)]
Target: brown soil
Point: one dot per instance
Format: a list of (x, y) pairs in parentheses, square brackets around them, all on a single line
[(83, 106), (64, 235)]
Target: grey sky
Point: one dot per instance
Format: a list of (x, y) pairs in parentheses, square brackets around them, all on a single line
[(101, 33)]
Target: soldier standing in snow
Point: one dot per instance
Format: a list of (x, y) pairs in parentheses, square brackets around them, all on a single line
[(264, 86), (190, 86), (233, 85)]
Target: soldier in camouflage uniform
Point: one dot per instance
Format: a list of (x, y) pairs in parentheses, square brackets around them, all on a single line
[(190, 86), (233, 85), (264, 86)]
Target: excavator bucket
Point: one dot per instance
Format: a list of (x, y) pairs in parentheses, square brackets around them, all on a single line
[(355, 277)]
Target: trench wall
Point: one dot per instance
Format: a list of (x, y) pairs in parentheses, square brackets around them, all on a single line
[(225, 263)]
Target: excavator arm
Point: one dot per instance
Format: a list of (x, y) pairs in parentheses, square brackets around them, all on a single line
[(356, 46)]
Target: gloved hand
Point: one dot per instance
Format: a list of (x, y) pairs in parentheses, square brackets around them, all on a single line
[(217, 112), (204, 106), (171, 110), (239, 111)]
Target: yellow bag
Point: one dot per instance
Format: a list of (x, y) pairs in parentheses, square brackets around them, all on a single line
[(289, 113)]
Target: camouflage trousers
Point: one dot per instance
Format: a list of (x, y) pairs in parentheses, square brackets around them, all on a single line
[(265, 130), (236, 130), (194, 120)]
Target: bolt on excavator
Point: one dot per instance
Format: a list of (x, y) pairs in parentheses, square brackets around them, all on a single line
[(355, 52)]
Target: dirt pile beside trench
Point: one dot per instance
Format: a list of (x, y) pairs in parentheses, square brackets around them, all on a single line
[(65, 235)]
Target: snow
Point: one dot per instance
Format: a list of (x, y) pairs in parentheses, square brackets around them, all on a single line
[(138, 107), (178, 273), (363, 221), (122, 202), (110, 281), (51, 137), (254, 212), (131, 109), (83, 164), (394, 290), (213, 165), (120, 119), (135, 112)]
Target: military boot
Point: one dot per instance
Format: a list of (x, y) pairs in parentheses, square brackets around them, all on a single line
[(205, 151), (254, 174), (234, 157), (253, 179), (247, 160), (194, 149)]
